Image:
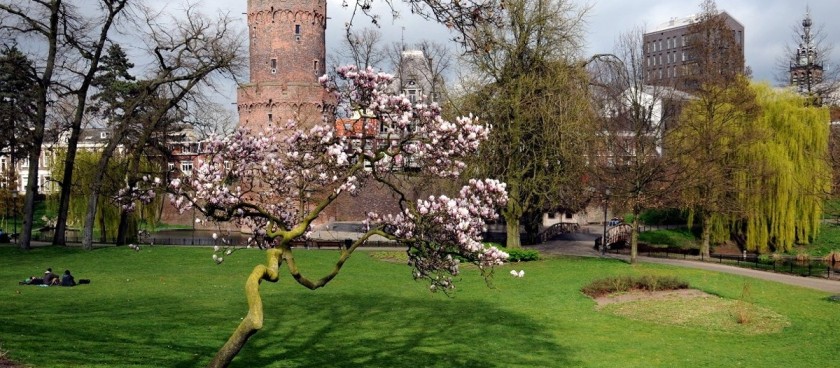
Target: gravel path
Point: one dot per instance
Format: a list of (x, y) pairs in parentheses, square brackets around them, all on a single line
[(581, 245)]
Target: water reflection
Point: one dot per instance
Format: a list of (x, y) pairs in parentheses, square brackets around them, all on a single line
[(196, 237)]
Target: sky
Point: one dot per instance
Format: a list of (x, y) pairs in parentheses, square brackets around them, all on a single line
[(768, 24)]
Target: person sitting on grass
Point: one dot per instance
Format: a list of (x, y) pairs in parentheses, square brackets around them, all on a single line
[(67, 279), (50, 278), (32, 280)]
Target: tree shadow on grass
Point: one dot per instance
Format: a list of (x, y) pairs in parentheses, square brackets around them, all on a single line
[(344, 330), (330, 329)]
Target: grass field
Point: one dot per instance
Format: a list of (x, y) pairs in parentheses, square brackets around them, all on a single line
[(173, 307)]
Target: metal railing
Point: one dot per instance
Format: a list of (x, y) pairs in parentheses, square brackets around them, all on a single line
[(785, 264), (205, 241), (661, 252)]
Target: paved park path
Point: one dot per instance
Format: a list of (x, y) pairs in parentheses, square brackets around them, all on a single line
[(581, 245)]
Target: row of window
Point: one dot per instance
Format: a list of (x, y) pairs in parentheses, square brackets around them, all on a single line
[(666, 44), (186, 166), (670, 58), (45, 161), (667, 72)]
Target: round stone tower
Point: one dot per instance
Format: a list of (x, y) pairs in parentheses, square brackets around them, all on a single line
[(288, 51)]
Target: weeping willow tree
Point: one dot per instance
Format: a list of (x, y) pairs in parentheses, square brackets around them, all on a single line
[(760, 169), (107, 216), (782, 192)]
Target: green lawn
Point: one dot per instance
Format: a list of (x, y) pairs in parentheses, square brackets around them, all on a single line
[(173, 307), (678, 238)]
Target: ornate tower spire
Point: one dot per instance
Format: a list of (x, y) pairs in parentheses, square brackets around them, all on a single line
[(805, 69)]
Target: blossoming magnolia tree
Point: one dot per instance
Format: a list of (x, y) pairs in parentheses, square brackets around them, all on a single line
[(257, 178)]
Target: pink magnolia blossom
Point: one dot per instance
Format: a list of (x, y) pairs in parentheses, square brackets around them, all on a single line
[(260, 179)]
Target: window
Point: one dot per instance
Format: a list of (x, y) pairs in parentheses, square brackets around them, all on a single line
[(569, 215), (273, 66), (412, 95), (270, 118), (2, 164), (297, 29), (170, 166), (186, 167), (315, 66), (103, 135)]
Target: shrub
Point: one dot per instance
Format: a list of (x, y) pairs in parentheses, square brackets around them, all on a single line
[(617, 284), (832, 258), (743, 312), (663, 217), (522, 255), (803, 258), (517, 255), (771, 258)]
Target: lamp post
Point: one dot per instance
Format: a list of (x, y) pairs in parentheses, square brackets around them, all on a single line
[(604, 237), (14, 213)]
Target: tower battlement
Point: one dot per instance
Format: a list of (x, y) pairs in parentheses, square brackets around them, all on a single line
[(287, 56)]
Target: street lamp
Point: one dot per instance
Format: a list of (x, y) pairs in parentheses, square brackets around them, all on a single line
[(604, 237), (14, 213)]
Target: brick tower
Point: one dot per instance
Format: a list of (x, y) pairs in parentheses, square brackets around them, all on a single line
[(287, 51)]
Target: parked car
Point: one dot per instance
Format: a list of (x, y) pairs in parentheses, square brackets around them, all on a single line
[(615, 221)]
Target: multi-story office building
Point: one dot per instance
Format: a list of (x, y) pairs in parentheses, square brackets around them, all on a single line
[(668, 54)]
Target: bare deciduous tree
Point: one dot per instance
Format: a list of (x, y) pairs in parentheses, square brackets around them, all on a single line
[(69, 47), (633, 163), (189, 49), (362, 48), (537, 101)]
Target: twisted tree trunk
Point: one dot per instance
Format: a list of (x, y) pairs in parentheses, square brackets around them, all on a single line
[(253, 321)]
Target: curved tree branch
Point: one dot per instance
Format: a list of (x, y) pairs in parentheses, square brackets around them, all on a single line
[(253, 321)]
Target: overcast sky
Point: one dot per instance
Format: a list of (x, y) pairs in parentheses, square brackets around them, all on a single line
[(768, 24)]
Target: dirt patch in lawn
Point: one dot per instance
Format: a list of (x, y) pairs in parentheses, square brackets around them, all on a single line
[(694, 309), (6, 363), (636, 295)]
